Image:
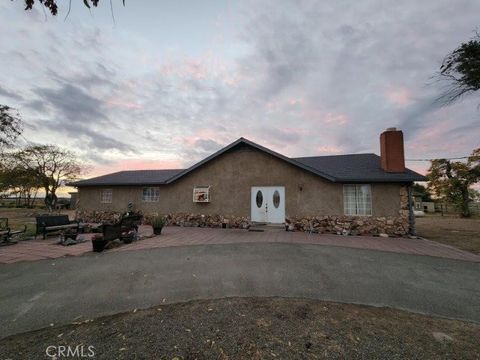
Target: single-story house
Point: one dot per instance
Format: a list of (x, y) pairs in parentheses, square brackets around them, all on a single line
[(245, 181)]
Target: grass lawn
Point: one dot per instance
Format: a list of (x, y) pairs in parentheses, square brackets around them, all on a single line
[(460, 233), (257, 328), (17, 217)]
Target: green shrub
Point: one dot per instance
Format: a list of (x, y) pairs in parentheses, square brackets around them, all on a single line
[(159, 221)]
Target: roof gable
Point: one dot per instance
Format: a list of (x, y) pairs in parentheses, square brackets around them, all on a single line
[(255, 146)]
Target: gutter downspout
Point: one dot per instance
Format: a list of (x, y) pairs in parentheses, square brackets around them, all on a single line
[(411, 216)]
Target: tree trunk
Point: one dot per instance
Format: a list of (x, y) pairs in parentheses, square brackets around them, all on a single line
[(50, 200), (465, 202)]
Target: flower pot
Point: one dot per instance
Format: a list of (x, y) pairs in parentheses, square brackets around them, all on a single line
[(99, 244), (157, 231)]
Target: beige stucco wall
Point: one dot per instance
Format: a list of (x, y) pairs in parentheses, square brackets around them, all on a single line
[(231, 177)]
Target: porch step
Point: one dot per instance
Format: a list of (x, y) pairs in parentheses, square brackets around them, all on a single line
[(261, 227)]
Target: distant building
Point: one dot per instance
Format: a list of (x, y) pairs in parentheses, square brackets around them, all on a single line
[(73, 200)]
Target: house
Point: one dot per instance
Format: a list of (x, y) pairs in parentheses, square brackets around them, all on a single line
[(420, 205), (245, 182)]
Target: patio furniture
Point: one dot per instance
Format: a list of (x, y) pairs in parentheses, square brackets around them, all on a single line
[(90, 227), (111, 231), (54, 223), (121, 230), (6, 233)]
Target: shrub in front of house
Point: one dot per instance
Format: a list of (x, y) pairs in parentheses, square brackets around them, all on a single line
[(158, 222)]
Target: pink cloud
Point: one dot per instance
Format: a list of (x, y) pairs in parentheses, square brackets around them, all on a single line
[(326, 117), (123, 104), (203, 134), (295, 101), (401, 97), (420, 167), (325, 149), (189, 68)]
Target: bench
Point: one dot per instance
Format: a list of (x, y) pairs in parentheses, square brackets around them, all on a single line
[(6, 233), (54, 223)]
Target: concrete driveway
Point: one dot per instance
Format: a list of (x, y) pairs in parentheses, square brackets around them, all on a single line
[(37, 294)]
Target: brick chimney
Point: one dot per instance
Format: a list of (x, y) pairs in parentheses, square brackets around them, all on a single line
[(391, 150)]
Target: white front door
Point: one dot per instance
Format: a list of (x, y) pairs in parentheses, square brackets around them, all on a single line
[(268, 204)]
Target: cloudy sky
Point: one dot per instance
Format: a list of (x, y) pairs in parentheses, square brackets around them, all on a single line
[(170, 82)]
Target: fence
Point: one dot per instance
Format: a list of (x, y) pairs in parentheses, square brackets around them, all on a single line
[(446, 208)]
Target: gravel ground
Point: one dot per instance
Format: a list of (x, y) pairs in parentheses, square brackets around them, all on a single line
[(256, 328)]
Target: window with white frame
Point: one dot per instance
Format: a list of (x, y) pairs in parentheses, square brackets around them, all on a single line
[(201, 194), (151, 194), (106, 196), (357, 199)]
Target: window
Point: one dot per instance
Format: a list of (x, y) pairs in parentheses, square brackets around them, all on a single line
[(106, 196), (201, 194), (259, 199), (151, 194), (357, 199), (276, 199)]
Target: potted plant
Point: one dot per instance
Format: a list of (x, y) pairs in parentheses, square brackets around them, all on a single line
[(158, 222), (98, 243)]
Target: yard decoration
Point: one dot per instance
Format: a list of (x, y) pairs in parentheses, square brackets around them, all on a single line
[(6, 233)]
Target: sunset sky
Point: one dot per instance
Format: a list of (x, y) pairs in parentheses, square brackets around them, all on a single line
[(170, 82)]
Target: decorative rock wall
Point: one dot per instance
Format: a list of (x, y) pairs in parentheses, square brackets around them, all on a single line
[(351, 225), (97, 216), (200, 220), (179, 219), (342, 225)]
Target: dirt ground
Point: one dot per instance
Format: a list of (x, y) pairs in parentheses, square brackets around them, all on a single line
[(460, 233), (257, 328)]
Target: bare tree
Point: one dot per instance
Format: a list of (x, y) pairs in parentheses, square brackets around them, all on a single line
[(51, 165), (52, 6)]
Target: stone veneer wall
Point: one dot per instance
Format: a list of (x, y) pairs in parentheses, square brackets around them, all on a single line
[(179, 219), (351, 225), (345, 225), (358, 225)]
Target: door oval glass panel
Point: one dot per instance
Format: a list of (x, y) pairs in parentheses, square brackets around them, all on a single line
[(259, 199), (276, 199)]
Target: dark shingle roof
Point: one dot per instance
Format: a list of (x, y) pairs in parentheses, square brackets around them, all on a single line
[(131, 177), (357, 168), (336, 168)]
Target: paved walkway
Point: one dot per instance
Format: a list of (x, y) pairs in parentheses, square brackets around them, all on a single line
[(177, 236), (39, 293)]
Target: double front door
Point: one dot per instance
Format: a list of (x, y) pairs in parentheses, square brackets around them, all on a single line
[(268, 204)]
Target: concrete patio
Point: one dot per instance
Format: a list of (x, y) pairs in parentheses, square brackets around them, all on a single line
[(185, 236)]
